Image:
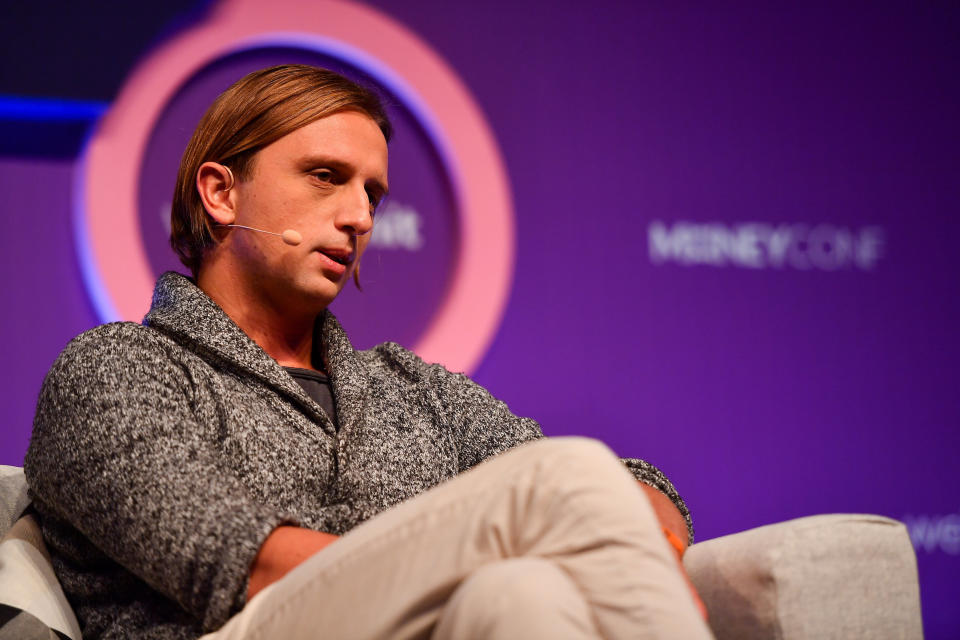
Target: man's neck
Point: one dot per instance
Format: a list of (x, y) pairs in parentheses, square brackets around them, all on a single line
[(291, 345), (285, 335)]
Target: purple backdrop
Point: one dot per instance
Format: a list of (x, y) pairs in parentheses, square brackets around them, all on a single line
[(734, 252)]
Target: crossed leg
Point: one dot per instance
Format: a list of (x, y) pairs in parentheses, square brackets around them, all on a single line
[(551, 539)]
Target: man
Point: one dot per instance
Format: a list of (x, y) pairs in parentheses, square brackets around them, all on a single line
[(193, 474)]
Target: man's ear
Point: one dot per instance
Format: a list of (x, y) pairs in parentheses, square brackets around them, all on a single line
[(214, 184)]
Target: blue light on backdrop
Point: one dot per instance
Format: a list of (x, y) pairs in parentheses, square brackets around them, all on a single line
[(31, 109)]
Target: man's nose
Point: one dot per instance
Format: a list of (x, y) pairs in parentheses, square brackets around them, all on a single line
[(355, 214)]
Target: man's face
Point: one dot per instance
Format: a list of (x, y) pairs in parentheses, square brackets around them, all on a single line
[(324, 181)]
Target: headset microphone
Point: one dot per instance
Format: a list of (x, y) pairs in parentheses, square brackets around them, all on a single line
[(290, 236)]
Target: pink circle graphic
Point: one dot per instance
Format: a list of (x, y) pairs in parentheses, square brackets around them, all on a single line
[(115, 264)]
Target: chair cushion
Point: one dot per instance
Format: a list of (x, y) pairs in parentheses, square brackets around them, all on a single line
[(32, 603), (30, 594), (16, 624), (13, 496), (830, 576)]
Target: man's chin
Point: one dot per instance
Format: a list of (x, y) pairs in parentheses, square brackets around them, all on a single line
[(320, 293)]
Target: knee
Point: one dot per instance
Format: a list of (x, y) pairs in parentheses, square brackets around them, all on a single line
[(575, 460), (571, 450), (513, 593), (512, 585)]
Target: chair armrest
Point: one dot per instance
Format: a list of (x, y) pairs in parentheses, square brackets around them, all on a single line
[(828, 576)]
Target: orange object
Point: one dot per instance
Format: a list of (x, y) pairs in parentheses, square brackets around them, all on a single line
[(680, 547), (675, 541)]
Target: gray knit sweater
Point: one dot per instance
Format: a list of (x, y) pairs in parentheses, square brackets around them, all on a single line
[(163, 455)]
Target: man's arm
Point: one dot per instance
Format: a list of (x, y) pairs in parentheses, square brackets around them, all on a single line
[(118, 453)]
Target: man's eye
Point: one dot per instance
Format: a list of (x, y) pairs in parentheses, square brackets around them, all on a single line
[(323, 175), (374, 201)]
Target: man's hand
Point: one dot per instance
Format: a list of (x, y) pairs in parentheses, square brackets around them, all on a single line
[(284, 548), (667, 513), (671, 520)]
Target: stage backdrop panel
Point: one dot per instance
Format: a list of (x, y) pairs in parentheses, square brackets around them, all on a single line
[(732, 246)]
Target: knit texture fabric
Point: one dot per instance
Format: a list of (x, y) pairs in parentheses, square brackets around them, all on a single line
[(164, 454)]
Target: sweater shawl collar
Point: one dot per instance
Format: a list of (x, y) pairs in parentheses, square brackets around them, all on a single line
[(183, 311)]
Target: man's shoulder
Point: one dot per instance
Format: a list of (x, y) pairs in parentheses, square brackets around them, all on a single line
[(110, 332), (110, 336), (393, 358), (106, 344)]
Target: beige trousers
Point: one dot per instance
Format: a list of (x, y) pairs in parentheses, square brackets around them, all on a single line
[(553, 539)]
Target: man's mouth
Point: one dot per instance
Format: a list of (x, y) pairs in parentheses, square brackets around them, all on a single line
[(338, 256)]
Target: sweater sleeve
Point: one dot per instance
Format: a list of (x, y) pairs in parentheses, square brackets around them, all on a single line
[(486, 427), (652, 476), (115, 453), (483, 425)]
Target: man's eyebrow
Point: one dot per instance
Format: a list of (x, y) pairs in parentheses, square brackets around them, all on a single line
[(308, 162)]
